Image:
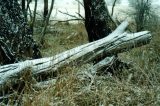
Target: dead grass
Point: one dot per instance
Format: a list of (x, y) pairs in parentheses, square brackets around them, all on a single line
[(138, 86), (62, 37)]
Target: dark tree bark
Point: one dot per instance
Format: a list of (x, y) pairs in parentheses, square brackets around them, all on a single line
[(98, 22), (15, 34), (23, 6), (33, 18), (24, 9), (45, 13)]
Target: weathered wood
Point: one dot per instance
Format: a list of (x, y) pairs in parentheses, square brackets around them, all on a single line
[(92, 71), (114, 43), (106, 62)]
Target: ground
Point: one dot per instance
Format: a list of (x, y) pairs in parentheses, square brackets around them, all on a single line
[(139, 85)]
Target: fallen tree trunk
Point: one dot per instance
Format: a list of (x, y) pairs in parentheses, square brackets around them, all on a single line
[(116, 42)]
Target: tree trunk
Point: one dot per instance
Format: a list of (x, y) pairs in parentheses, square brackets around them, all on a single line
[(34, 17), (24, 9), (24, 6), (45, 13), (98, 22), (15, 34), (46, 21)]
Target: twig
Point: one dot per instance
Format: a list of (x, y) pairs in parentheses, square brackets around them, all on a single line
[(68, 20), (68, 14), (114, 3), (80, 16)]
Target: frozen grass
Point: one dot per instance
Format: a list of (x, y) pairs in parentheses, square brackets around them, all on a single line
[(138, 86)]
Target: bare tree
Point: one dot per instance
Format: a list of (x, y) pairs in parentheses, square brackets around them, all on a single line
[(45, 12), (46, 23), (25, 7), (33, 18)]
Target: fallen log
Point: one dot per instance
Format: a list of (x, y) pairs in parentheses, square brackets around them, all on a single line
[(116, 42), (40, 65)]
